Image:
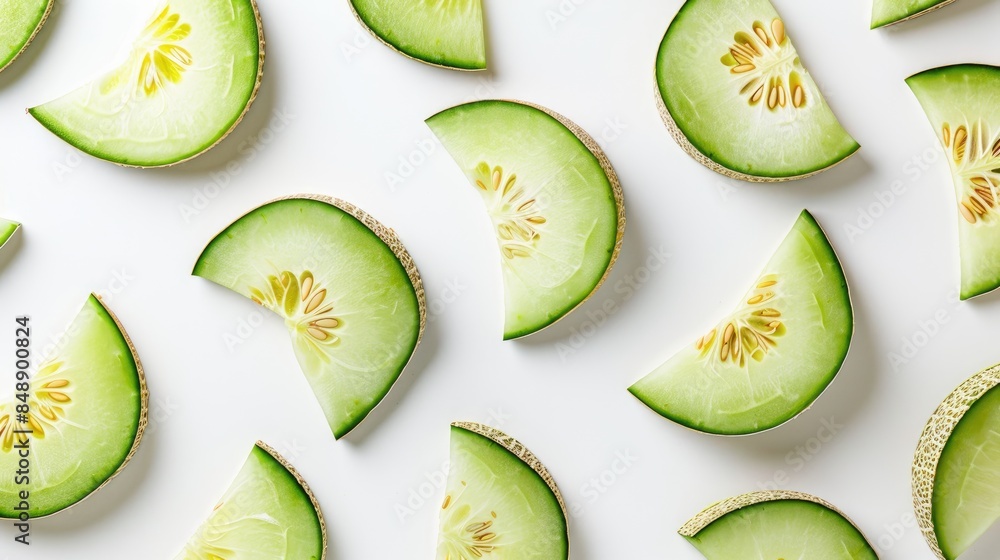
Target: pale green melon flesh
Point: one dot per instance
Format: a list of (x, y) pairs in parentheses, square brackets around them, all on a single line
[(191, 75), (783, 529), (441, 32), (266, 514), (801, 327), (20, 21), (374, 323), (88, 401), (492, 491), (966, 501), (7, 231), (535, 175), (885, 12), (714, 108), (967, 96)]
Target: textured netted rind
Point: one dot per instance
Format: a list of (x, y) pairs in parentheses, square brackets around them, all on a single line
[(916, 15), (697, 155), (143, 408), (305, 488), (41, 23), (522, 453), (719, 510), (936, 434)]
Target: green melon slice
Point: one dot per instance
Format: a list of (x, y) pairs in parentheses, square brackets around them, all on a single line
[(888, 12), (956, 470), (22, 20), (500, 503), (735, 96), (268, 513), (447, 33), (87, 410), (776, 525), (7, 231), (190, 79), (555, 202), (962, 104), (349, 293), (769, 360)]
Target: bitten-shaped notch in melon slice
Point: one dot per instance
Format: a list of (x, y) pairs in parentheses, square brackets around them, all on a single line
[(86, 411), (8, 230), (349, 293), (735, 95), (774, 526), (956, 470), (555, 202), (192, 75), (770, 359), (887, 12), (268, 513), (22, 20), (961, 103), (446, 33), (500, 503)]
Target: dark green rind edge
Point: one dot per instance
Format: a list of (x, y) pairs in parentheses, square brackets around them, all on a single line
[(886, 23), (277, 463), (582, 138), (141, 423), (38, 27), (680, 132), (983, 288), (415, 282), (838, 268), (258, 36), (412, 53), (483, 432)]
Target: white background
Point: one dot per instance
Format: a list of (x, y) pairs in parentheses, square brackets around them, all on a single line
[(353, 109)]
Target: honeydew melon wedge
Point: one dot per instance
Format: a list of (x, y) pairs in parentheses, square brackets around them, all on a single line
[(776, 525), (500, 503), (956, 469), (888, 12), (735, 95), (555, 202), (768, 361), (190, 79), (267, 513), (22, 20), (961, 104), (87, 410), (349, 292), (7, 231), (446, 33)]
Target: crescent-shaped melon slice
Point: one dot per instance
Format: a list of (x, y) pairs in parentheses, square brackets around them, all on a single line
[(22, 20), (888, 12)]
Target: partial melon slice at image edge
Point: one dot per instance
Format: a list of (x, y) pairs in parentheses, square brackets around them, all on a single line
[(448, 33), (267, 513), (22, 20), (348, 290), (956, 469), (88, 406), (773, 357), (778, 524), (191, 77), (500, 501), (7, 231), (555, 202), (961, 104), (888, 12), (734, 94)]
